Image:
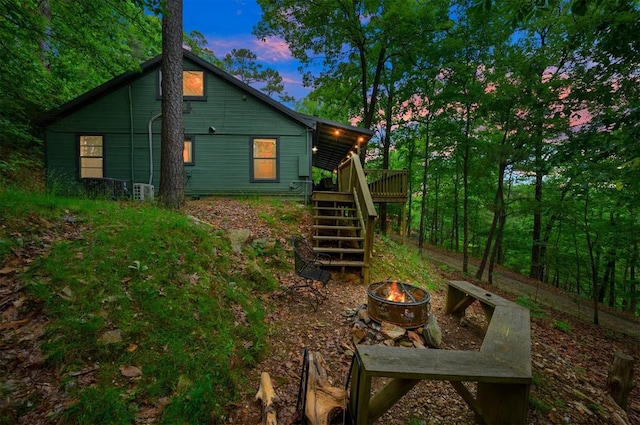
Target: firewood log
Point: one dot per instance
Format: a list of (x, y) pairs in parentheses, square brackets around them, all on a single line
[(268, 397), (323, 401)]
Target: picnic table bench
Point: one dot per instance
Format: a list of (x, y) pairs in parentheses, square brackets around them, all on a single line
[(502, 367)]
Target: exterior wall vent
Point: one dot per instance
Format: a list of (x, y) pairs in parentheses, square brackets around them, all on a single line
[(142, 192)]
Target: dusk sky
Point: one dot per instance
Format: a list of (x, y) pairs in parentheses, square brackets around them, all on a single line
[(227, 25)]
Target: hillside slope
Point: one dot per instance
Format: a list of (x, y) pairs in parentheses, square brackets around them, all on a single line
[(570, 356)]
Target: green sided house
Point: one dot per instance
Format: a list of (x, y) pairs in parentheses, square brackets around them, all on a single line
[(237, 140)]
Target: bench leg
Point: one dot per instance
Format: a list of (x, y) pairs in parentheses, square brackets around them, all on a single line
[(360, 392), (366, 409), (384, 399), (456, 302), (503, 403)]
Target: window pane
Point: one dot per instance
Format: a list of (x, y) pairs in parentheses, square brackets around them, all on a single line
[(92, 173), (193, 83), (90, 141), (187, 152), (91, 167), (91, 156), (264, 148), (264, 169), (91, 162), (90, 150)]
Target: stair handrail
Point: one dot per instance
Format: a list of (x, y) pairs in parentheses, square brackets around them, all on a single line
[(351, 178)]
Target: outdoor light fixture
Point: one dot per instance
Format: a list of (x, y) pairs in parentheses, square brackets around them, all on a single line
[(314, 149), (212, 129)]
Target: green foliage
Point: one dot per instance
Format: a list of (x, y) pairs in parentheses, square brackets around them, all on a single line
[(53, 51), (485, 92), (535, 309), (563, 326), (540, 405), (163, 282), (269, 219), (22, 168), (405, 265), (99, 406)]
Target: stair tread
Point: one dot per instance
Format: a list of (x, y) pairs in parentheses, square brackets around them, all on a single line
[(330, 227), (331, 192), (338, 238), (343, 263), (324, 217), (320, 214), (338, 250)]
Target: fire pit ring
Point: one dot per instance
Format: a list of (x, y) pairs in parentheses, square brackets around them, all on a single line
[(399, 303)]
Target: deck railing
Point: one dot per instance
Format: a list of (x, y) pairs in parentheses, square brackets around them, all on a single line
[(351, 179), (387, 185)]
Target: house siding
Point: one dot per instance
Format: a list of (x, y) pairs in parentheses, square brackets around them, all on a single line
[(222, 159)]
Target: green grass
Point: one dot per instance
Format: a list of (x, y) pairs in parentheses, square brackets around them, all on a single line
[(166, 283), (190, 317), (535, 309), (563, 326), (404, 264)]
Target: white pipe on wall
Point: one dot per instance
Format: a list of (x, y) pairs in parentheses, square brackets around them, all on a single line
[(155, 117)]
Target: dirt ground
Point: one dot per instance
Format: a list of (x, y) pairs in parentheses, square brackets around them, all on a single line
[(569, 366), (570, 362)]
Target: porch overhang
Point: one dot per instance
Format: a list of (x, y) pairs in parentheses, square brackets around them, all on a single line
[(334, 142)]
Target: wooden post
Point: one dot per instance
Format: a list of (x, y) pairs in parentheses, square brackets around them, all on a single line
[(620, 379)]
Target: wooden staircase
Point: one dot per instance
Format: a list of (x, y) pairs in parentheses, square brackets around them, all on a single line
[(338, 229)]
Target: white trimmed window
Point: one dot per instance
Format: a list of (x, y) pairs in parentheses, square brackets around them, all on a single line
[(264, 159), (91, 156)]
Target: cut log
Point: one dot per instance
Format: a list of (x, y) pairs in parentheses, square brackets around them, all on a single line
[(620, 379), (268, 397), (323, 401)]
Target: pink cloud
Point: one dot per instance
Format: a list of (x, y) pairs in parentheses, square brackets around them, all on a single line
[(272, 50)]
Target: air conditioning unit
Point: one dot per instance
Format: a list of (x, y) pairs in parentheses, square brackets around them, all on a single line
[(142, 192)]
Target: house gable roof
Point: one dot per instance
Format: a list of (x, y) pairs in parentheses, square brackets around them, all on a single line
[(334, 141)]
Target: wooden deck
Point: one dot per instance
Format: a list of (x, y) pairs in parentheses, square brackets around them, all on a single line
[(387, 185)]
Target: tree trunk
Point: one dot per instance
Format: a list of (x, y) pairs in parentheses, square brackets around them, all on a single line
[(423, 206), (465, 197), (171, 191), (386, 147), (620, 379), (369, 101), (434, 221), (632, 277), (455, 234), (497, 247), (498, 207), (323, 401), (537, 267), (592, 258), (410, 157)]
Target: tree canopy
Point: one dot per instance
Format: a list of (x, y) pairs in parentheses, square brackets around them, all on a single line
[(517, 120)]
